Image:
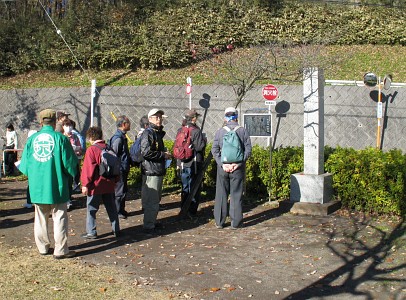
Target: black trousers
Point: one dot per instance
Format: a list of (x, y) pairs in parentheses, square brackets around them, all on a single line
[(121, 193), (9, 160), (229, 184)]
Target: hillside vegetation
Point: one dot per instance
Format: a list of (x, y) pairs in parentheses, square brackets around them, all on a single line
[(127, 44)]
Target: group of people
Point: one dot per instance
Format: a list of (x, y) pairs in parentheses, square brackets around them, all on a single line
[(53, 155)]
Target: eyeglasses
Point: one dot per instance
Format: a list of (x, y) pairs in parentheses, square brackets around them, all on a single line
[(157, 117)]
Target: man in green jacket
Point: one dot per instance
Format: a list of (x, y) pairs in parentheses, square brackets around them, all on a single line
[(48, 160)]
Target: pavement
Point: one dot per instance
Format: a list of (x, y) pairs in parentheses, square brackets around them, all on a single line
[(276, 255)]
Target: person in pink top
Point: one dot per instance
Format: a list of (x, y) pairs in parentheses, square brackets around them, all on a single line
[(77, 147), (98, 189)]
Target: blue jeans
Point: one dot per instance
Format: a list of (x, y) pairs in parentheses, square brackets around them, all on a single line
[(188, 178), (93, 204)]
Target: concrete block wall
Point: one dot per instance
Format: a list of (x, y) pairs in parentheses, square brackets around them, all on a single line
[(350, 111)]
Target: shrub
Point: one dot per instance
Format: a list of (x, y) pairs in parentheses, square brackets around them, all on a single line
[(369, 180), (366, 180), (131, 35)]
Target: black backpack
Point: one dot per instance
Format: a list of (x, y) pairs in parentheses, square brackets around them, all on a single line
[(135, 150), (110, 163)]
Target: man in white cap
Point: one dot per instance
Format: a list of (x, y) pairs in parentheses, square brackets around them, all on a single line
[(153, 168), (230, 171)]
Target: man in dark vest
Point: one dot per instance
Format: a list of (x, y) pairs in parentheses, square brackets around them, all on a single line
[(119, 144)]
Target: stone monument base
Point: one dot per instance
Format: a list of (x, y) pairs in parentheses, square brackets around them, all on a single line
[(313, 209), (311, 188)]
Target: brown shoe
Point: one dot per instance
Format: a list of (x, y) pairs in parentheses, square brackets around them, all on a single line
[(70, 254)]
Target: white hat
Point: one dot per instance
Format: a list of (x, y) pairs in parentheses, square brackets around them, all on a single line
[(154, 111), (231, 111)]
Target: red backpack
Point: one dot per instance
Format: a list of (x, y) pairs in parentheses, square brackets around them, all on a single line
[(183, 149)]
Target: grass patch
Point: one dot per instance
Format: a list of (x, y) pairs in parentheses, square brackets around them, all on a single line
[(358, 60), (27, 275)]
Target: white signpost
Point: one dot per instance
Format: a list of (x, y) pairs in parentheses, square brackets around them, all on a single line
[(92, 96), (270, 94), (189, 90)]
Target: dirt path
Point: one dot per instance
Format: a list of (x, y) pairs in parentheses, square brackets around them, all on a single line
[(276, 255)]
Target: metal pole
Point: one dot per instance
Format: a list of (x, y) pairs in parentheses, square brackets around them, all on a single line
[(270, 157)]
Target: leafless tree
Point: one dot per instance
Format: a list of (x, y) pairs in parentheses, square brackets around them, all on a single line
[(278, 62)]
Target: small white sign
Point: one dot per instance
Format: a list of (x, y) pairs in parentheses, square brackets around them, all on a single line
[(270, 102), (379, 110)]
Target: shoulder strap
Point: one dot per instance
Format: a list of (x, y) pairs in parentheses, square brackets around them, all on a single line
[(116, 135), (229, 129), (101, 148)]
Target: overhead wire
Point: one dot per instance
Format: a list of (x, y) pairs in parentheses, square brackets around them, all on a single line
[(59, 32)]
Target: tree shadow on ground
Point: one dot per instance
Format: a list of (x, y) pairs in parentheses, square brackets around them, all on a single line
[(367, 245)]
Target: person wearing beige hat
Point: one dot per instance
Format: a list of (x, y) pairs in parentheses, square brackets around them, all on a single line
[(48, 160), (153, 168), (190, 167)]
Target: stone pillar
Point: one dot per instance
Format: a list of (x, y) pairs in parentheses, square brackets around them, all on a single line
[(313, 116), (313, 186)]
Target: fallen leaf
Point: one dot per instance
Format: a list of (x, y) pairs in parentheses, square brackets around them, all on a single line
[(56, 288), (102, 290), (215, 289)]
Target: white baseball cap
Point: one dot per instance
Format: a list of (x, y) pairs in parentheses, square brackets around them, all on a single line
[(231, 111), (154, 111)]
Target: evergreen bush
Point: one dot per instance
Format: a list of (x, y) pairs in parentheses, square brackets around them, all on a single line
[(140, 35), (366, 180)]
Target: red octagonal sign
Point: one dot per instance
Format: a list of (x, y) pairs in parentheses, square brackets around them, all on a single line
[(270, 92)]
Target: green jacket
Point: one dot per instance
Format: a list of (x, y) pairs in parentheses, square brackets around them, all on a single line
[(48, 160)]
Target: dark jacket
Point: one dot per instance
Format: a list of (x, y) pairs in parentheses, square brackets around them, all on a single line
[(218, 142), (198, 142), (153, 149), (119, 144)]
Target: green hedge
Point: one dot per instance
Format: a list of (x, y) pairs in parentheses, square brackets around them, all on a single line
[(131, 36), (369, 180), (366, 180)]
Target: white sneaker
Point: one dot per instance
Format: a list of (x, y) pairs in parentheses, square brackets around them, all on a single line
[(27, 205)]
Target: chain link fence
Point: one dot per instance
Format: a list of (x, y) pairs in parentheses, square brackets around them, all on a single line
[(350, 111)]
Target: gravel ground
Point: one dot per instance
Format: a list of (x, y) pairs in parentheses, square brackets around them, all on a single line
[(276, 255)]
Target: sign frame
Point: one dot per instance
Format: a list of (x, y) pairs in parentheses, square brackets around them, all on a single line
[(253, 115)]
